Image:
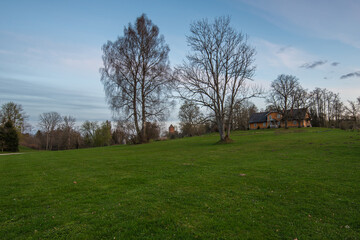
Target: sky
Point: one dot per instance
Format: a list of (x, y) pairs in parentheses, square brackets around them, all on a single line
[(50, 51)]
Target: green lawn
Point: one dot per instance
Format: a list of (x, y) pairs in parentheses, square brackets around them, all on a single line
[(300, 183)]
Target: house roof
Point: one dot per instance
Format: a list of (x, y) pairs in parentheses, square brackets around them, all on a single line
[(297, 114), (293, 115), (258, 117)]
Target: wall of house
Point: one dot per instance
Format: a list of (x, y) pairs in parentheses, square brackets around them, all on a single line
[(295, 123), (277, 116), (274, 115), (258, 125)]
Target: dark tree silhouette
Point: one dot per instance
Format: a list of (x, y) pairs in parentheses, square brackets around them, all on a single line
[(10, 138), (136, 74)]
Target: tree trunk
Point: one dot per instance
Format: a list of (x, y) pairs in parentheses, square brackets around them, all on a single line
[(68, 140), (143, 113), (221, 127), (135, 114), (47, 141)]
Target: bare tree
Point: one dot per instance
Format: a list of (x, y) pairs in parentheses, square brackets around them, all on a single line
[(283, 94), (353, 110), (242, 112), (135, 75), (68, 129), (326, 108), (191, 119), (301, 99), (215, 73), (48, 123)]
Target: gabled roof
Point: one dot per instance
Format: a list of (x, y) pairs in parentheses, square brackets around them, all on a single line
[(297, 114), (258, 117)]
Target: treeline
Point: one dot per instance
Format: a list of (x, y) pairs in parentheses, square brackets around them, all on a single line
[(66, 135), (58, 132), (193, 122)]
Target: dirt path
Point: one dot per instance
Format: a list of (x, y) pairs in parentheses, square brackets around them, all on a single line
[(10, 154)]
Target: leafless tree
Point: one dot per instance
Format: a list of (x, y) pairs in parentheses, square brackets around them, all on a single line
[(242, 112), (283, 94), (191, 119), (68, 130), (48, 123), (135, 75), (216, 71), (301, 99), (326, 108), (353, 110)]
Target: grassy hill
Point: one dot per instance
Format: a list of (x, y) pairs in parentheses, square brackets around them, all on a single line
[(268, 184)]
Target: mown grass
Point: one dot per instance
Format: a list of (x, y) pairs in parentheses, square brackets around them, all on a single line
[(267, 184)]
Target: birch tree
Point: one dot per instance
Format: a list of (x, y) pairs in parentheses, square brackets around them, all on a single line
[(135, 75)]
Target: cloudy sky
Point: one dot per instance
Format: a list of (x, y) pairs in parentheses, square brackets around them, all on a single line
[(50, 51)]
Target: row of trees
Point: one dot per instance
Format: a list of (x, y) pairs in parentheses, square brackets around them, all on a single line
[(137, 77), (325, 107), (194, 122)]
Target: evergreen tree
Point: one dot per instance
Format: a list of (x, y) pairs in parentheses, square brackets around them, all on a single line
[(2, 138), (11, 138)]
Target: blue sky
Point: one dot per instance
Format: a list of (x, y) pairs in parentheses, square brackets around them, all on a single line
[(50, 51)]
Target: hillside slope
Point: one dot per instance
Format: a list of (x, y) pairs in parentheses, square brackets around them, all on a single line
[(268, 184)]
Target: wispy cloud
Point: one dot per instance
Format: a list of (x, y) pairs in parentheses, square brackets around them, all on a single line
[(330, 20), (38, 98), (350, 75), (277, 55), (334, 64), (312, 65)]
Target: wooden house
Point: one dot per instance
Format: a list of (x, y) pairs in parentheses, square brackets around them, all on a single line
[(171, 129), (296, 118)]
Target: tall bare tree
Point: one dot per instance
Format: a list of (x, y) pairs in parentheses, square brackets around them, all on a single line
[(326, 108), (68, 130), (215, 73), (48, 123), (283, 94), (353, 110), (301, 99), (135, 74)]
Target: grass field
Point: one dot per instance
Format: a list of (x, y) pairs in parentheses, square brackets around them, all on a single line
[(268, 184)]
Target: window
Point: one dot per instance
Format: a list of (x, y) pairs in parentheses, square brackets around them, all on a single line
[(278, 116), (254, 124), (270, 117), (295, 122), (264, 124)]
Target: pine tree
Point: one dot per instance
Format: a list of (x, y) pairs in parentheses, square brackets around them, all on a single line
[(11, 138)]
